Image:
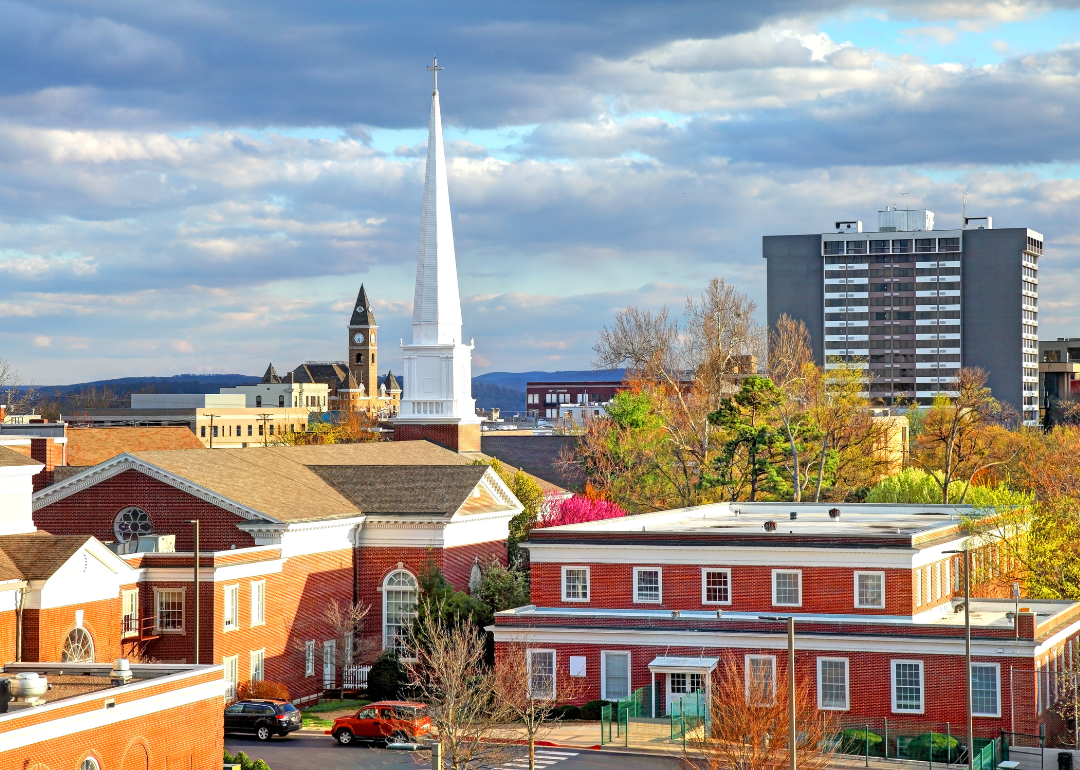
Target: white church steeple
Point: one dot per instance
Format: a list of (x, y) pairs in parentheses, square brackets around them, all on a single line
[(437, 401), (436, 303)]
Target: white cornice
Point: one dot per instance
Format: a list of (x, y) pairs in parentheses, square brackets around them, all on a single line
[(721, 554), (695, 639), (125, 462)]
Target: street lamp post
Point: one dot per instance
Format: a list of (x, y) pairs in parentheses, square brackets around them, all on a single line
[(967, 654), (195, 561), (792, 736)]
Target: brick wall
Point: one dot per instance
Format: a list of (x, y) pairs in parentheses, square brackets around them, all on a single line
[(147, 741), (45, 631), (824, 589), (92, 511), (460, 438), (869, 674)]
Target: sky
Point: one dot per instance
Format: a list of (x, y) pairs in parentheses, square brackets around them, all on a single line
[(202, 187)]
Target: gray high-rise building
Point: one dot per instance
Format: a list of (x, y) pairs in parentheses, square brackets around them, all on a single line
[(916, 303)]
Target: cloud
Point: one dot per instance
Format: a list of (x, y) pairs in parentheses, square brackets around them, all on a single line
[(943, 35)]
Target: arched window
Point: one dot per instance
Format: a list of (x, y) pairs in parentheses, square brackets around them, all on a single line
[(89, 764), (78, 647), (132, 522), (281, 401), (359, 358), (399, 609), (258, 400)]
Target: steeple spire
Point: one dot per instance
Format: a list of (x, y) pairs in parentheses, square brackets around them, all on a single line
[(361, 314), (436, 304)]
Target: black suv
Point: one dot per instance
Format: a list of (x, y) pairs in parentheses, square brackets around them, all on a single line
[(263, 717)]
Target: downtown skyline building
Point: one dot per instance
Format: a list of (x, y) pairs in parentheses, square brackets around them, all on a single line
[(916, 304)]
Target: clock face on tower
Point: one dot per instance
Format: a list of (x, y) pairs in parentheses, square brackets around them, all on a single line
[(358, 338)]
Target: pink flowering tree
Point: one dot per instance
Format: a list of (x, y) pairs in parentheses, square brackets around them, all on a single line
[(576, 510)]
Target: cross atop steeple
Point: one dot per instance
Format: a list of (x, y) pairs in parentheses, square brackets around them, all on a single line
[(434, 70)]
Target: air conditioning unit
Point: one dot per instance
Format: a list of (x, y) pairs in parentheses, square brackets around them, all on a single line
[(148, 544)]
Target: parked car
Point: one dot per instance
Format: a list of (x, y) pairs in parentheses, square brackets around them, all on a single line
[(264, 717), (388, 721)]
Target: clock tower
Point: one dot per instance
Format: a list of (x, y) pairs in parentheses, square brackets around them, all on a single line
[(363, 344)]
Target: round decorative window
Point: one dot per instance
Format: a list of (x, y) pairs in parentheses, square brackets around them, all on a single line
[(89, 764), (78, 647), (132, 522)]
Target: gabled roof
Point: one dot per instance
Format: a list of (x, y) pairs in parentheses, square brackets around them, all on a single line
[(309, 483), (404, 489), (332, 375), (271, 376), (362, 315), (37, 555), (90, 446), (10, 458)]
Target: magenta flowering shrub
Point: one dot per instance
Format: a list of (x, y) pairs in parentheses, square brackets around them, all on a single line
[(576, 510)]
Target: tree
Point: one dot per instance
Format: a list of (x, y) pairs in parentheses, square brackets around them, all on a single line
[(530, 495), (577, 509), (791, 368), (683, 370), (749, 721), (17, 397), (747, 456), (530, 696), (448, 673), (963, 436), (501, 588), (344, 621), (387, 677)]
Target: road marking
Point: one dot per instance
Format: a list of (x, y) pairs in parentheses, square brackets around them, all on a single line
[(557, 753)]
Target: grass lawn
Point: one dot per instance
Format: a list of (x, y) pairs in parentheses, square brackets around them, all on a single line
[(334, 705), (317, 722)]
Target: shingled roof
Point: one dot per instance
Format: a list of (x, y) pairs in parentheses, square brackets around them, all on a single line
[(362, 315), (404, 489), (9, 457), (37, 555), (90, 446)]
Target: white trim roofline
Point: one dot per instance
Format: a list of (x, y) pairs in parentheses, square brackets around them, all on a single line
[(125, 462)]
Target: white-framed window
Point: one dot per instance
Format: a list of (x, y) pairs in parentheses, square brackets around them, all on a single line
[(169, 610), (760, 679), (680, 683), (541, 673), (986, 689), (786, 587), (399, 610), (832, 682), (870, 590), (715, 586), (648, 584), (258, 665), (907, 686), (615, 675), (232, 675), (232, 607), (329, 663), (131, 612), (258, 602), (309, 658), (575, 584)]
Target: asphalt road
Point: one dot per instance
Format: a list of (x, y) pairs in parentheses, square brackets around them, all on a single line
[(307, 751)]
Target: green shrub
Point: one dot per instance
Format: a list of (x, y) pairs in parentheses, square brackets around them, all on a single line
[(566, 712), (944, 747), (259, 764), (855, 741), (228, 759), (387, 677), (591, 710)]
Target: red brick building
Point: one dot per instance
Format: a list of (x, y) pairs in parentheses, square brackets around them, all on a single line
[(283, 531), (660, 601), (91, 720), (544, 399)]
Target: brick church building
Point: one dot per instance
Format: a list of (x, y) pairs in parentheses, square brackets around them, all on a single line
[(283, 531)]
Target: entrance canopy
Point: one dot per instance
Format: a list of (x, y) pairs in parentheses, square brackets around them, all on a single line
[(670, 663)]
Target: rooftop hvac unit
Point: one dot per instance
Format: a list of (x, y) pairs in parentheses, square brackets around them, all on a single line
[(893, 220), (148, 544)]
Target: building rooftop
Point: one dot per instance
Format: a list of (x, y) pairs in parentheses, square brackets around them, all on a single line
[(913, 524), (90, 446)]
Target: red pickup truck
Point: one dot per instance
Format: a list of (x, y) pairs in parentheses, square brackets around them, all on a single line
[(388, 721)]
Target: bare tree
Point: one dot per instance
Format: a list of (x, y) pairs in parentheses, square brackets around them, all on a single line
[(958, 437), (748, 724), (688, 367), (17, 397), (344, 621), (448, 673), (791, 368), (529, 693)]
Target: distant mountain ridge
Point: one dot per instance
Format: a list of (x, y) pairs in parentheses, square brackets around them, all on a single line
[(177, 383)]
